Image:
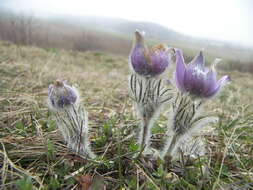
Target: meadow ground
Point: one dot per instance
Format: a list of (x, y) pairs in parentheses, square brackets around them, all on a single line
[(33, 155)]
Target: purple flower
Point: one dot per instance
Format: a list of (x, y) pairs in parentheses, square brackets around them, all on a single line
[(195, 78), (149, 62), (61, 95)]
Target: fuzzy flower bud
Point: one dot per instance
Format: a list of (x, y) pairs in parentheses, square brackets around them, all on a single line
[(61, 95), (149, 62)]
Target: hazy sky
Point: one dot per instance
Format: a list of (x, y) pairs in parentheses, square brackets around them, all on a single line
[(230, 20)]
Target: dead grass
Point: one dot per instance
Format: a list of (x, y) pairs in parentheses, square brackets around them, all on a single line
[(32, 150)]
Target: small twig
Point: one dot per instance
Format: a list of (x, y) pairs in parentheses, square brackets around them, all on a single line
[(137, 165)]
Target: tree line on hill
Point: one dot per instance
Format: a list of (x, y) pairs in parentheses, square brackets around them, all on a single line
[(27, 30)]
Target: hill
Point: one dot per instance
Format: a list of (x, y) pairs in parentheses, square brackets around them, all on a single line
[(121, 27), (112, 35)]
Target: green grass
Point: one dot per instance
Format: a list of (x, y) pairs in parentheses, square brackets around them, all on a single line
[(33, 155)]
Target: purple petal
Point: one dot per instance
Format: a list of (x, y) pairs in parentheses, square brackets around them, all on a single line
[(160, 61), (195, 76), (194, 81), (180, 70), (145, 61), (138, 60), (61, 94), (198, 61), (138, 56), (210, 82), (69, 98), (218, 86)]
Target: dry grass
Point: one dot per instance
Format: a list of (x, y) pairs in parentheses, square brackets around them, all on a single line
[(33, 152)]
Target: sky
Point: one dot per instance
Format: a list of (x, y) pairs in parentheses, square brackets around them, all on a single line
[(226, 20)]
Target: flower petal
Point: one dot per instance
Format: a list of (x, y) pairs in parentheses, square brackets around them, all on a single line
[(194, 81), (195, 76), (138, 56), (218, 86), (180, 70), (61, 95), (210, 82), (198, 61), (159, 62), (139, 62), (146, 61)]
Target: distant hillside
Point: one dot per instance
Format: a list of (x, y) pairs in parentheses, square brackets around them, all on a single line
[(120, 26), (120, 31), (156, 32)]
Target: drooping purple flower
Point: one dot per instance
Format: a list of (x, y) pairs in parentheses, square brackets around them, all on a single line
[(149, 62), (197, 79), (61, 95)]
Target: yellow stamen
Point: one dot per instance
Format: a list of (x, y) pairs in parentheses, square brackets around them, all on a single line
[(159, 47)]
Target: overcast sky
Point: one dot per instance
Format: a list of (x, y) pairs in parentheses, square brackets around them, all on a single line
[(229, 20)]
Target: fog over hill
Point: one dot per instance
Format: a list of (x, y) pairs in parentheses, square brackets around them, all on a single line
[(122, 28), (127, 27), (119, 26)]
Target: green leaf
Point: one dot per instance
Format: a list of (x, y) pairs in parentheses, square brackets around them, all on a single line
[(25, 183), (54, 184), (133, 146)]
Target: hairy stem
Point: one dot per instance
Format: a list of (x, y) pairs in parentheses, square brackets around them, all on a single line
[(73, 124), (144, 134), (169, 146), (149, 96)]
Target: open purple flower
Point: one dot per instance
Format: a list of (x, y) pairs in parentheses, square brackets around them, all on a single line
[(149, 62), (195, 78), (61, 95)]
